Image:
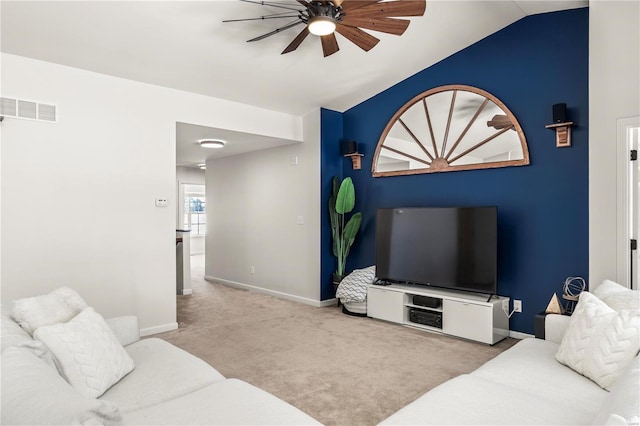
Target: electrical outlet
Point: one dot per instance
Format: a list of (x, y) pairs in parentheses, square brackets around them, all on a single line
[(517, 305), (253, 269), (505, 305)]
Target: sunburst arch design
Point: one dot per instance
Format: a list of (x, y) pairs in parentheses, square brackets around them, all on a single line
[(450, 128)]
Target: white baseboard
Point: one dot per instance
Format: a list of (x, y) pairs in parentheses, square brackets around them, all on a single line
[(278, 294), (519, 335), (186, 291), (158, 329), (328, 302)]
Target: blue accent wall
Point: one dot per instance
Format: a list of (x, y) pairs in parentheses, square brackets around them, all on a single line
[(530, 65)]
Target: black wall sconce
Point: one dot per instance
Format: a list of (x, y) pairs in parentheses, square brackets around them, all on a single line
[(349, 148), (561, 125)]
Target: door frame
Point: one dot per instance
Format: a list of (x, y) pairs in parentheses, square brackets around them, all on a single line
[(625, 199)]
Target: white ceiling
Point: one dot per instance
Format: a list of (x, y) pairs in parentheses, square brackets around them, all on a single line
[(184, 45), (189, 153)]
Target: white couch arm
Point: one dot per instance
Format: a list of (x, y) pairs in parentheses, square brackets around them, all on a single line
[(555, 326), (125, 328)]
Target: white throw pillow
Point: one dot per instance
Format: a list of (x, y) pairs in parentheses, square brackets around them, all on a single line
[(605, 288), (87, 353), (60, 305), (33, 393), (617, 296), (11, 334), (600, 342)]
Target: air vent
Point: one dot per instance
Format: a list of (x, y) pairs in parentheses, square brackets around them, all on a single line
[(30, 110), (8, 107), (27, 109), (46, 112)]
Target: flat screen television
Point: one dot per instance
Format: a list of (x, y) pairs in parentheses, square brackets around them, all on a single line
[(449, 247)]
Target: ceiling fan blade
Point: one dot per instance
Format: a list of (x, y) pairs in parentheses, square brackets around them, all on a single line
[(276, 31), (264, 3), (363, 40), (348, 5), (329, 44), (296, 41), (384, 25), (261, 18), (390, 9)]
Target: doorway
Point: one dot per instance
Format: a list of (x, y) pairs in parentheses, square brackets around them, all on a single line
[(194, 217), (193, 213), (628, 222), (190, 227)]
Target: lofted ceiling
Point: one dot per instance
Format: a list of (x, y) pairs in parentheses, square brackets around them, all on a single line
[(185, 45)]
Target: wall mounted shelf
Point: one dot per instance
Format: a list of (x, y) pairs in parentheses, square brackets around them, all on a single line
[(563, 133), (356, 160)]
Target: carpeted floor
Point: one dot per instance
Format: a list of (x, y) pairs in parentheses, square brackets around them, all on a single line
[(340, 369)]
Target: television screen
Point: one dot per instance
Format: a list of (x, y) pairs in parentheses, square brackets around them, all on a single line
[(450, 247)]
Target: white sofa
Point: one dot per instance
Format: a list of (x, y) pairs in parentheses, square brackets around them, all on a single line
[(527, 385), (167, 386)]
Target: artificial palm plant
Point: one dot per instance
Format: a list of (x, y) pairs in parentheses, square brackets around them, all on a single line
[(343, 230)]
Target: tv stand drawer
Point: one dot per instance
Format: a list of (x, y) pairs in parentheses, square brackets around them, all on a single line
[(385, 304), (468, 320)]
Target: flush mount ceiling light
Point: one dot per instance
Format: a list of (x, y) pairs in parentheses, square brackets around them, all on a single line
[(212, 143)]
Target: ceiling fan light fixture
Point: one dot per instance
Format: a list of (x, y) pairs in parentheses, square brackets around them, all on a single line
[(321, 25), (349, 18), (212, 143)]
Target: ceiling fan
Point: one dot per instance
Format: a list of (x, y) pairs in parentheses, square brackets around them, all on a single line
[(347, 17)]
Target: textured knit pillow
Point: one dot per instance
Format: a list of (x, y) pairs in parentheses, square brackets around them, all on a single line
[(60, 305), (33, 393), (87, 353), (600, 342), (353, 288)]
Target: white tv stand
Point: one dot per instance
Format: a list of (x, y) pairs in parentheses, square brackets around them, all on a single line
[(466, 315)]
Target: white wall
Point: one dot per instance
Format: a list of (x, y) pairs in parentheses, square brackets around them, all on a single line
[(614, 93), (88, 220), (253, 204), (189, 175)]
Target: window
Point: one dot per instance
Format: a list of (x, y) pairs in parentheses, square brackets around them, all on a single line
[(195, 209)]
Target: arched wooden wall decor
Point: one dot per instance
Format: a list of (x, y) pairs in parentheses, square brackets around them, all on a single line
[(450, 128)]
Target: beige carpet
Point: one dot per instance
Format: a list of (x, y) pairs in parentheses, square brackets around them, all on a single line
[(340, 369)]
